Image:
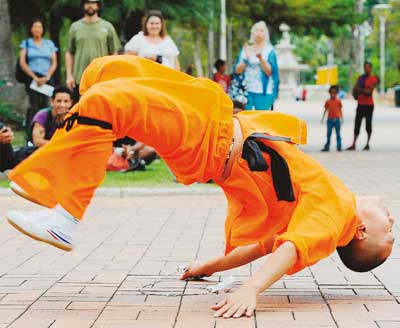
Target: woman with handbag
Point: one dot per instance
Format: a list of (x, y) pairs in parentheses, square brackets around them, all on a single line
[(38, 60), (257, 63)]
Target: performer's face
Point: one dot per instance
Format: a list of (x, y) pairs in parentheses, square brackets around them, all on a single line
[(61, 103), (378, 225)]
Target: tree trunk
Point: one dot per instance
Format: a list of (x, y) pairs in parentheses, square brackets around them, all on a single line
[(6, 54), (56, 20), (196, 53), (12, 92), (351, 58)]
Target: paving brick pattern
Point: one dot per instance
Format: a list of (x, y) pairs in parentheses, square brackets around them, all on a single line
[(124, 270)]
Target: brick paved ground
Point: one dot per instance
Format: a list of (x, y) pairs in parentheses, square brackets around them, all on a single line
[(123, 271)]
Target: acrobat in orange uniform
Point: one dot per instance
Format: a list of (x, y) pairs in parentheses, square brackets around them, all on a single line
[(280, 200)]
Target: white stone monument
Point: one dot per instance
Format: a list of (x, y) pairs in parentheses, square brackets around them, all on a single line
[(289, 66)]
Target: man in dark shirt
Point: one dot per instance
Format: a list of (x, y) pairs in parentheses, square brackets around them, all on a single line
[(362, 91)]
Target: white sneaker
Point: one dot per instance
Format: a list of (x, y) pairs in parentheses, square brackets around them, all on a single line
[(53, 226), (21, 192)]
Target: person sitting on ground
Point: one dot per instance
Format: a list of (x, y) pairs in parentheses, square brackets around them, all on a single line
[(220, 76), (280, 200), (7, 158), (46, 121), (44, 125), (130, 155)]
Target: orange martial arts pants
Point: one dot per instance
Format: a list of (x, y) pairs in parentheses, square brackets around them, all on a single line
[(187, 120)]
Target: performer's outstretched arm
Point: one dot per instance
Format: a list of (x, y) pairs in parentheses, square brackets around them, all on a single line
[(243, 301), (238, 257)]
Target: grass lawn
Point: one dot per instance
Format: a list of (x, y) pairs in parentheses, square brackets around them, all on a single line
[(156, 175), (19, 138)]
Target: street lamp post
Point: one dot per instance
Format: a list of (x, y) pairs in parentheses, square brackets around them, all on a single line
[(361, 37), (222, 40), (383, 12)]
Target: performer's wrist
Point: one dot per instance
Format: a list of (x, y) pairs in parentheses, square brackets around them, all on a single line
[(257, 288), (212, 266)]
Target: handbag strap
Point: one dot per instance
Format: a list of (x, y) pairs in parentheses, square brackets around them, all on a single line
[(27, 49)]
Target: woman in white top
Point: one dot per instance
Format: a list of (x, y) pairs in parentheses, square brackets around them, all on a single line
[(154, 43)]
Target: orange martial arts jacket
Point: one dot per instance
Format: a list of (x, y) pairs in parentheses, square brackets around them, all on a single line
[(323, 215), (189, 123)]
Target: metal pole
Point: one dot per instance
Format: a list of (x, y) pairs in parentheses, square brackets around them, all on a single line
[(382, 10), (211, 40), (222, 40), (382, 20)]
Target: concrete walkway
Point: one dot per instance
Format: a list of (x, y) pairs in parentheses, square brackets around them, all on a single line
[(123, 272)]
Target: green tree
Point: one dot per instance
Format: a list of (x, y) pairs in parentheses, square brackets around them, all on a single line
[(392, 49), (304, 16), (310, 19)]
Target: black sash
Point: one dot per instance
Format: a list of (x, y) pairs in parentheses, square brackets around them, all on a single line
[(84, 120), (252, 153)]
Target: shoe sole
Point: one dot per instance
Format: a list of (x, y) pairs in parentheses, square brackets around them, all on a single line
[(62, 247), (26, 196)]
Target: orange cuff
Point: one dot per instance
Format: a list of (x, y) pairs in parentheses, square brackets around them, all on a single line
[(302, 250)]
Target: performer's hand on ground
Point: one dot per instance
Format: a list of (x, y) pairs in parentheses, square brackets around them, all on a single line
[(241, 303), (196, 269)]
